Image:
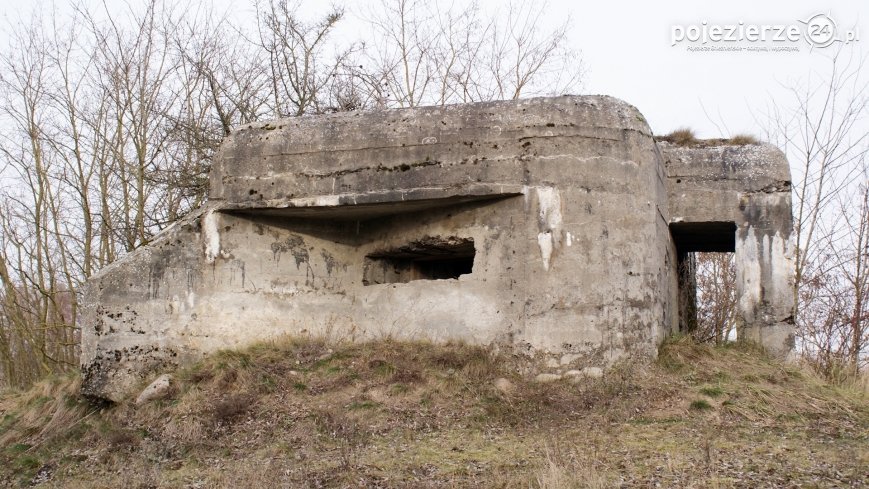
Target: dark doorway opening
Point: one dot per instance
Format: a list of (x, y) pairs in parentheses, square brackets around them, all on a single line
[(690, 238)]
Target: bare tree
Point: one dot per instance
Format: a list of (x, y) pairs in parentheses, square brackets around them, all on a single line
[(716, 297), (836, 293), (823, 133), (300, 71), (426, 53), (109, 120), (33, 269)]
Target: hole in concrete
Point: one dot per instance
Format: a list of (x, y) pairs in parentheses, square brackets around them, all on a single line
[(431, 258)]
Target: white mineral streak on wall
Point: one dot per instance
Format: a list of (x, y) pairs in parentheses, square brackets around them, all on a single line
[(748, 273), (772, 255), (318, 201), (550, 207), (549, 200), (545, 242), (211, 236), (781, 264)]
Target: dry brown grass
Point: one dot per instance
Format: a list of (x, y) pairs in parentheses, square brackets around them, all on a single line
[(52, 408), (743, 139), (860, 383), (304, 412), (681, 137), (561, 470), (686, 137)]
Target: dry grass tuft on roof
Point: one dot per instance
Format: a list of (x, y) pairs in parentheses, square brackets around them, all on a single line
[(680, 137), (685, 137)]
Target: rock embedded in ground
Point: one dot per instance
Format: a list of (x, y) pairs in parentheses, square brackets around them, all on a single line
[(159, 389), (593, 372), (547, 378), (504, 386)]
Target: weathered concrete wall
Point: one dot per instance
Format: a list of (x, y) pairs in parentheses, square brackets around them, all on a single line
[(553, 215), (564, 199), (749, 186)]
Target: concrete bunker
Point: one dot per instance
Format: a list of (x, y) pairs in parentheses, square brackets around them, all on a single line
[(551, 226)]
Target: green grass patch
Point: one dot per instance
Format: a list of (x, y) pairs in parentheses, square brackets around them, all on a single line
[(712, 391), (381, 367), (17, 448), (700, 405), (7, 422), (39, 401), (361, 405), (28, 462), (267, 383), (322, 363)]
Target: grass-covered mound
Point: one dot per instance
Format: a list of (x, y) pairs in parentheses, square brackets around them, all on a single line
[(303, 413)]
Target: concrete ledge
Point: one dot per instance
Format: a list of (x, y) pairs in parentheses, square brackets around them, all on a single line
[(370, 205)]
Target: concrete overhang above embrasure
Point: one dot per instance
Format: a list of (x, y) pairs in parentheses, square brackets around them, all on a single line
[(367, 158)]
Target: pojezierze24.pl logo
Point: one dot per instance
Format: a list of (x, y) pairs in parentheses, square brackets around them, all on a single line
[(817, 31)]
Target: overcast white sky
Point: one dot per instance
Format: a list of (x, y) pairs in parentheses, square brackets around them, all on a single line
[(627, 50), (626, 47), (629, 54)]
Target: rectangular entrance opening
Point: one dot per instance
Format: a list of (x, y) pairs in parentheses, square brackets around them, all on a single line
[(705, 248)]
